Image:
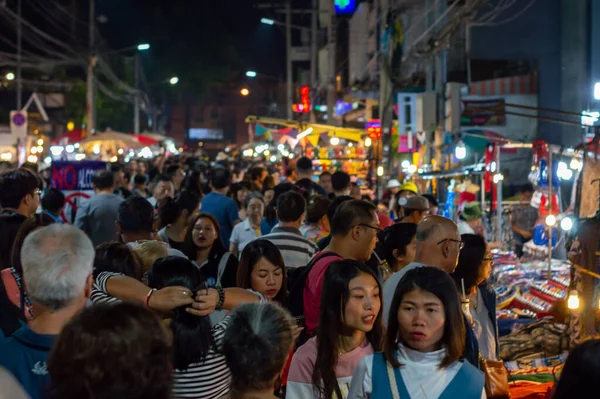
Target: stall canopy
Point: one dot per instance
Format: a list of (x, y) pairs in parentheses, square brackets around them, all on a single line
[(314, 130), (113, 140)]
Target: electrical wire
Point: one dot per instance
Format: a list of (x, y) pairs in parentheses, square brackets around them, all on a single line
[(510, 19)]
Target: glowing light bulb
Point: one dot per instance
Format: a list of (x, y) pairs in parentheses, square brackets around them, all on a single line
[(550, 220), (573, 301)]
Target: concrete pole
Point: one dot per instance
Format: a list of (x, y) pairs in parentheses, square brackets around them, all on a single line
[(19, 56), (91, 103), (288, 50), (136, 105), (331, 70)]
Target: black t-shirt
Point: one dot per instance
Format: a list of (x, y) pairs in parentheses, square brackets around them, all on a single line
[(210, 270)]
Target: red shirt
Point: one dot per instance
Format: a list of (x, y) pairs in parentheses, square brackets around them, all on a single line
[(312, 290)]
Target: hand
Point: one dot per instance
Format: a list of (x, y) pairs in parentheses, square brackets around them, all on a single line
[(205, 302), (169, 298), (296, 330)]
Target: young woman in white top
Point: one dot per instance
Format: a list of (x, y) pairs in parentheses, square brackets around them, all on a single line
[(424, 343), (350, 328)]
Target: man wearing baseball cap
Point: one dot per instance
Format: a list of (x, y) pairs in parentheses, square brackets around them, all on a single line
[(415, 210)]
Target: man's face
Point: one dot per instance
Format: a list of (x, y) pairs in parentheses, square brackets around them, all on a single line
[(163, 190), (325, 182), (119, 178), (366, 235)]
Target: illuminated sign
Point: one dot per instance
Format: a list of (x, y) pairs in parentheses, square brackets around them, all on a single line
[(344, 6), (589, 118), (373, 129)]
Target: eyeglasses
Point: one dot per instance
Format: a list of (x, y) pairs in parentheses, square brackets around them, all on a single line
[(489, 259), (461, 244), (38, 192), (371, 227)]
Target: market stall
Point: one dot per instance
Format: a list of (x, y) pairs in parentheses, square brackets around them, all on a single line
[(331, 148)]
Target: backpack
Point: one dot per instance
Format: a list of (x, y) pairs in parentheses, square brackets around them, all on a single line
[(297, 281)]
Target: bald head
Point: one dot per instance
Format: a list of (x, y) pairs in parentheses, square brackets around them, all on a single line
[(436, 228), (438, 242)]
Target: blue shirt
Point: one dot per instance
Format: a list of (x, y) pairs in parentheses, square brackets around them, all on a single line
[(225, 210), (24, 356)]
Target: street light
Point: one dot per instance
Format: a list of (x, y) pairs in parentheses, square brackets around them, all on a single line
[(174, 80), (143, 46), (244, 92), (267, 21), (251, 74), (10, 76)]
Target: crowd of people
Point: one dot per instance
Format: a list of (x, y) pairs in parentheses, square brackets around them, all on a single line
[(178, 279)]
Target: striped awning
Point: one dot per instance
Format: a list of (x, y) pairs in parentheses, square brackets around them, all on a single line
[(522, 84)]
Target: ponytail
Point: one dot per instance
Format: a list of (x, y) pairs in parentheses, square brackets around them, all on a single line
[(192, 336)]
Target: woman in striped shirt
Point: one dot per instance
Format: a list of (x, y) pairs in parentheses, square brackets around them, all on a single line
[(350, 328), (199, 370)]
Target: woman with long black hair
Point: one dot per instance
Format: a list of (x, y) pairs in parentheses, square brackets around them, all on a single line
[(350, 328), (203, 246), (175, 215), (424, 346), (199, 370)]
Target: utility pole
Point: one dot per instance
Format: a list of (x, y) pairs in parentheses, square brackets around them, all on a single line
[(331, 70), (288, 51), (313, 54), (313, 44), (19, 56), (386, 101), (91, 103), (136, 106)]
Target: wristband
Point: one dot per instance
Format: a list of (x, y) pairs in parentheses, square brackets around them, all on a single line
[(148, 297), (221, 292)]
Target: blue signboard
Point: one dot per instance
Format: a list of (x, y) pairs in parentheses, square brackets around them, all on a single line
[(74, 175), (344, 6)]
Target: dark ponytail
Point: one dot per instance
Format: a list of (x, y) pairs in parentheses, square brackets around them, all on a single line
[(170, 209), (192, 336)]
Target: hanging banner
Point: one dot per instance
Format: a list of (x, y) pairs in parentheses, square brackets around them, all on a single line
[(74, 179), (260, 130), (483, 112), (313, 139)]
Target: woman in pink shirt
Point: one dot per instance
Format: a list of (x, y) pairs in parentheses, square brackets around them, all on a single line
[(350, 328)]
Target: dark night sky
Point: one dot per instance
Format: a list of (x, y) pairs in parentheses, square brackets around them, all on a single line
[(198, 40)]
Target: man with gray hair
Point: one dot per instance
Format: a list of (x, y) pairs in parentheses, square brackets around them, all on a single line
[(57, 270), (438, 245)]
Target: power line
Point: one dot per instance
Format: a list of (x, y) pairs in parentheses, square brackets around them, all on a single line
[(510, 19)]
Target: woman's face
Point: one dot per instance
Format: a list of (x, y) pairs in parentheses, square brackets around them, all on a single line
[(242, 194), (255, 210), (204, 233), (363, 303), (269, 194), (485, 268), (266, 278), (421, 318), (409, 254)]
